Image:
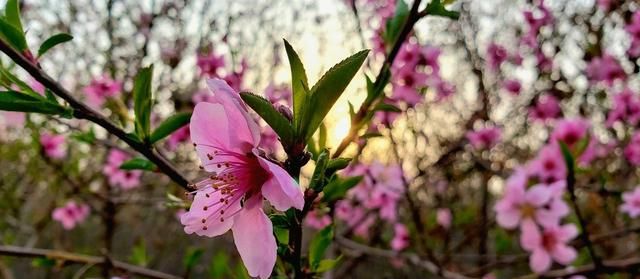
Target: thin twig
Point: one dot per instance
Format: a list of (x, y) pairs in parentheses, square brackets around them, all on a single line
[(83, 111), (82, 259)]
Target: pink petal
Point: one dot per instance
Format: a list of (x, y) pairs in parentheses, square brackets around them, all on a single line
[(540, 261), (568, 232), (253, 235), (508, 219), (192, 220), (236, 111), (538, 195), (281, 189), (563, 254), (530, 239)]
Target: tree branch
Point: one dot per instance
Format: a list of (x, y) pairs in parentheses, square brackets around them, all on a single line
[(82, 111), (15, 251)]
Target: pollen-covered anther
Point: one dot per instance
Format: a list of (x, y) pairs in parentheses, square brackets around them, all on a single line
[(204, 220), (221, 219), (204, 228), (205, 208), (209, 156)]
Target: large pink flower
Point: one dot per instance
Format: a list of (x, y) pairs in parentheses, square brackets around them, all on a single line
[(226, 140), (549, 244)]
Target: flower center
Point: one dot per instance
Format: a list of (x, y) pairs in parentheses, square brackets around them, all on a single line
[(527, 210)]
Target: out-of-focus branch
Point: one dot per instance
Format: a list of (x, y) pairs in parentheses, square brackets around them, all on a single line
[(607, 267), (82, 111), (67, 257), (381, 79), (412, 258)]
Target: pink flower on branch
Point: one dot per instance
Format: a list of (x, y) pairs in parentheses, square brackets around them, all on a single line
[(118, 177), (53, 145), (71, 214), (100, 89), (484, 138), (549, 244), (226, 140), (546, 107), (401, 237), (631, 203)]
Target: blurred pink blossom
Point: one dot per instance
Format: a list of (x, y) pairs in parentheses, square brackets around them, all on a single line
[(484, 138), (605, 69), (632, 150), (631, 203), (401, 237), (625, 108), (512, 86), (496, 55), (209, 64), (546, 107), (443, 217), (53, 145), (101, 89), (179, 136), (549, 165), (317, 220), (71, 214), (549, 244), (570, 131), (118, 177)]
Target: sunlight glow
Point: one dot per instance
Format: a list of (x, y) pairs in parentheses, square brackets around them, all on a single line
[(340, 129)]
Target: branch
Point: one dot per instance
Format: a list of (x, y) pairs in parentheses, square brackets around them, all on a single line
[(82, 111), (413, 258), (83, 259)]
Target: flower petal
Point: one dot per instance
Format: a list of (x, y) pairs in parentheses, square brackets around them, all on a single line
[(538, 195), (206, 217), (236, 110), (530, 239), (253, 235), (508, 219), (563, 254), (540, 261), (281, 189)]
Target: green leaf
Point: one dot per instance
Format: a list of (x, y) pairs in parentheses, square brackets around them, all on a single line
[(317, 179), (13, 80), (568, 158), (338, 188), (43, 262), (53, 41), (394, 25), (282, 235), (387, 107), (138, 164), (322, 136), (12, 14), (16, 101), (170, 125), (139, 254), (328, 89), (219, 267), (327, 264), (12, 35), (265, 109), (142, 102), (192, 257), (436, 8), (280, 221), (337, 164), (299, 85), (318, 246)]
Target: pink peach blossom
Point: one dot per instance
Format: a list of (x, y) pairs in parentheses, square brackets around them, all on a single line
[(605, 69), (317, 220), (496, 55), (631, 203), (632, 150), (484, 138), (100, 89), (179, 136), (117, 177), (209, 64), (512, 86), (401, 237), (570, 131), (71, 214), (547, 245), (226, 140), (443, 217), (546, 107), (53, 145), (625, 108), (549, 165)]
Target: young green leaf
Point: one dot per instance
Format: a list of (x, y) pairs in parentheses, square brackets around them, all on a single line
[(142, 102), (16, 101), (53, 41), (327, 264), (138, 164), (280, 221), (317, 179), (192, 257), (11, 79), (12, 14), (299, 84), (319, 245), (265, 109), (394, 25), (328, 89), (336, 164), (169, 126), (12, 35), (322, 136), (139, 254), (436, 8), (337, 188), (387, 107)]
